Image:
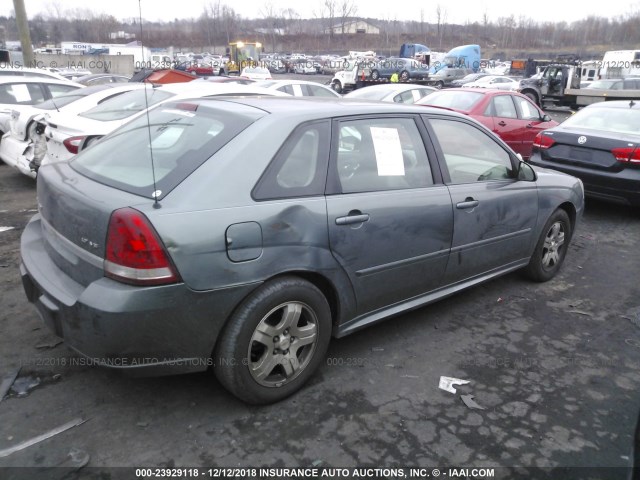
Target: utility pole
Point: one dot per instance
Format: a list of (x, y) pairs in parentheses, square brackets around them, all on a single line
[(23, 30)]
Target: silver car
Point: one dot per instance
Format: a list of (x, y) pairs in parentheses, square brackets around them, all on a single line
[(242, 233)]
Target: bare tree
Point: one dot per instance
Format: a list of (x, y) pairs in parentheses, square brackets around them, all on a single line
[(348, 9), (330, 9)]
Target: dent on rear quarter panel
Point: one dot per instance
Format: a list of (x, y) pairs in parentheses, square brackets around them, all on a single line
[(554, 190)]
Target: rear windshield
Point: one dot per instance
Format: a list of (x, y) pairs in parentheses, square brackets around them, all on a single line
[(620, 120), (456, 100), (127, 104), (69, 97), (60, 101), (369, 93), (182, 136)]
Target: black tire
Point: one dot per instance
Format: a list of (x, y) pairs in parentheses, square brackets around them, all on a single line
[(337, 87), (375, 75), (258, 358), (440, 84), (404, 76), (551, 248)]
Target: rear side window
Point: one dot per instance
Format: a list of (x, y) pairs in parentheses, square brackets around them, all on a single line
[(381, 154), (180, 136), (299, 169), (21, 93)]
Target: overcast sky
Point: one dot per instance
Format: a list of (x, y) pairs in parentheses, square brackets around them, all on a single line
[(457, 11)]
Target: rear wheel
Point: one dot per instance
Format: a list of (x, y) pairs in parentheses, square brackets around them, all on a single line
[(274, 341), (404, 75), (375, 75), (551, 249), (440, 84)]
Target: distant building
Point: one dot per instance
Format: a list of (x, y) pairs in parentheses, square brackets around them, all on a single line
[(121, 35), (354, 26), (270, 31)]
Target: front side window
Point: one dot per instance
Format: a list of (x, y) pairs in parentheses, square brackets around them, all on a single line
[(470, 154), (381, 154), (528, 111)]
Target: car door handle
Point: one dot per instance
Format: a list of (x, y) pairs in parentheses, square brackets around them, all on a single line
[(529, 125), (354, 216), (468, 203), (502, 123)]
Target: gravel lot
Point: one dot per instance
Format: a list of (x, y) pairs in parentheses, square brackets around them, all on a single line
[(554, 365)]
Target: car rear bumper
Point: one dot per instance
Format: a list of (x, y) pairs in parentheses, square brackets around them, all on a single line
[(619, 187), (141, 330)]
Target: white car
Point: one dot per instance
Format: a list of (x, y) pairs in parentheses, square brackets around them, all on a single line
[(392, 92), (67, 134), (304, 67), (256, 73), (24, 146), (32, 72), (25, 90), (298, 88), (499, 82)]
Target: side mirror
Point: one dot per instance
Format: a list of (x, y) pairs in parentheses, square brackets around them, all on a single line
[(526, 172), (546, 118)]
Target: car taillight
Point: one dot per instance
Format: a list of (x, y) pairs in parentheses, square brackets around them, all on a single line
[(543, 141), (73, 144), (135, 254), (627, 154)]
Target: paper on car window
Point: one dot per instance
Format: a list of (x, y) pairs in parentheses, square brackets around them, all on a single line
[(21, 92), (386, 144)]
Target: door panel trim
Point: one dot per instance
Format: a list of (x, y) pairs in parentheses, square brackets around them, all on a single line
[(400, 263), (490, 240)]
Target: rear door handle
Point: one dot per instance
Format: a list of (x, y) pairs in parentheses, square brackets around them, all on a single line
[(529, 125), (468, 203), (355, 216), (502, 123)]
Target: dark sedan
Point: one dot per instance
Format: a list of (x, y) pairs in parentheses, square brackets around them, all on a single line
[(406, 68), (472, 77), (245, 232), (510, 115), (600, 145)]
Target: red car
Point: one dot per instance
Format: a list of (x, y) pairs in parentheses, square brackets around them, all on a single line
[(201, 69), (513, 117)]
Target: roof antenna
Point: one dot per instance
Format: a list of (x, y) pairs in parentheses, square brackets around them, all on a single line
[(156, 193)]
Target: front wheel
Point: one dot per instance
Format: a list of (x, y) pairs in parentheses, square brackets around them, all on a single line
[(404, 76), (551, 248), (337, 87), (274, 341), (375, 75)]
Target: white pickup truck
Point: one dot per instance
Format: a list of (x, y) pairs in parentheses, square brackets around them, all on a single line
[(354, 70)]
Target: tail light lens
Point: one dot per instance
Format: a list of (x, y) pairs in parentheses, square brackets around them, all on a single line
[(73, 144), (135, 254), (627, 154), (543, 141)]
